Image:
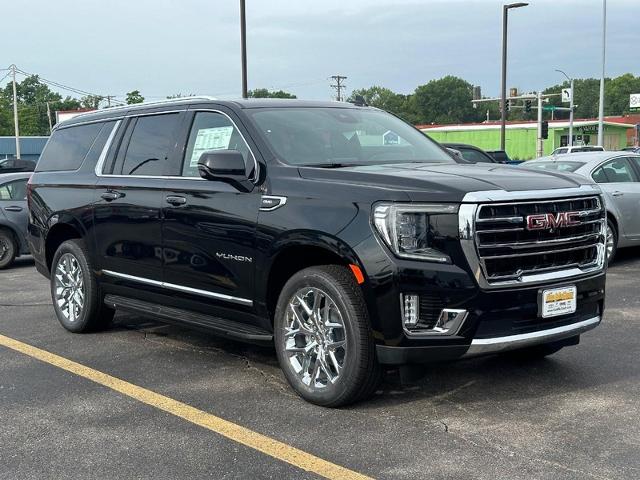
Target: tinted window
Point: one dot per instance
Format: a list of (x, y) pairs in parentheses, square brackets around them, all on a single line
[(326, 136), (211, 131), (560, 151), (98, 145), (16, 190), (151, 143), (615, 171), (474, 155), (67, 147)]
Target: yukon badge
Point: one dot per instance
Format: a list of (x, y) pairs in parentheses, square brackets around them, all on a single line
[(236, 258)]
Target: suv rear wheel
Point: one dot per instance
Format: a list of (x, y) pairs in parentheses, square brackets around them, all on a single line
[(323, 337), (74, 290)]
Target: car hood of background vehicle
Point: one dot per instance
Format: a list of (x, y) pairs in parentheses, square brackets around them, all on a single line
[(444, 182)]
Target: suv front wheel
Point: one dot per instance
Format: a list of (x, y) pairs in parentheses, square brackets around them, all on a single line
[(74, 290), (323, 337)]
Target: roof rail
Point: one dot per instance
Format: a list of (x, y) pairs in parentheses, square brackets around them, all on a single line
[(150, 104)]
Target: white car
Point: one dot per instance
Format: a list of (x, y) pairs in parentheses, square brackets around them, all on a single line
[(618, 175), (577, 149)]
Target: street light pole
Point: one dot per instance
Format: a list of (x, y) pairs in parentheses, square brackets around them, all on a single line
[(503, 86), (601, 105), (15, 111), (570, 107), (243, 47)]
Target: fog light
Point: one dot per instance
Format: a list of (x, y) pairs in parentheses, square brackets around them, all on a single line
[(410, 310)]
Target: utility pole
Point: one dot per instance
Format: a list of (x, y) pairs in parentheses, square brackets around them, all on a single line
[(243, 48), (540, 145), (503, 86), (49, 118), (601, 105), (15, 111), (338, 86)]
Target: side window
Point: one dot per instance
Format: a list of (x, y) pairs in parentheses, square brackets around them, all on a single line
[(16, 190), (599, 176), (67, 148), (151, 144), (636, 160), (616, 171), (211, 131)]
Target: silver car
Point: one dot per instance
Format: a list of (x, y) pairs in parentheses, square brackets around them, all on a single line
[(618, 174), (14, 217)]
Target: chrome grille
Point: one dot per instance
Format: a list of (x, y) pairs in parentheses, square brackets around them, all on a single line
[(508, 250)]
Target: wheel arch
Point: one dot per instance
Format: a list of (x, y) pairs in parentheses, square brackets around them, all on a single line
[(57, 234), (300, 251)]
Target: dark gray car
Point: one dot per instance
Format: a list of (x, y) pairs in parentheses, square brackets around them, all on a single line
[(13, 217)]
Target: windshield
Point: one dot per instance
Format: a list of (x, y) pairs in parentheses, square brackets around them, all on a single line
[(343, 136), (559, 166), (474, 155)]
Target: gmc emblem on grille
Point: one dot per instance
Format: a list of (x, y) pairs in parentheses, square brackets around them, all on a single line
[(549, 221)]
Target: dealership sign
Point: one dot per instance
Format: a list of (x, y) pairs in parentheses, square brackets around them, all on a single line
[(634, 100)]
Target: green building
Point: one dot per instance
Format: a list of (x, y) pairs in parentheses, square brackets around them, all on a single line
[(520, 137)]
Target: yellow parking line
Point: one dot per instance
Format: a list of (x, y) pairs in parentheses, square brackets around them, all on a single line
[(232, 431)]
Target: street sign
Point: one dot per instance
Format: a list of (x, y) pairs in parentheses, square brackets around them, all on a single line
[(549, 109), (566, 95), (634, 100)]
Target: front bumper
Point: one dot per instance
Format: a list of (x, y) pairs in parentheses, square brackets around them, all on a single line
[(390, 355)]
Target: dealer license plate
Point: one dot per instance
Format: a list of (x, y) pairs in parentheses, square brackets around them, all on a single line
[(559, 301)]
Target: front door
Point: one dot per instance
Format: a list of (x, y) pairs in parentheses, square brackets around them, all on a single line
[(209, 226), (127, 213)]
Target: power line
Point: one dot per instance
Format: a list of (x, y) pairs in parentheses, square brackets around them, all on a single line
[(338, 86)]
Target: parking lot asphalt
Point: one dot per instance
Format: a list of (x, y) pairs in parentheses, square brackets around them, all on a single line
[(573, 415)]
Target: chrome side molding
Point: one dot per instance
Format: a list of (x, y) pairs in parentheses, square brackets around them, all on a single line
[(180, 288)]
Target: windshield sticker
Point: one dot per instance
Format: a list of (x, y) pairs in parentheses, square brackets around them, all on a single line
[(216, 138)]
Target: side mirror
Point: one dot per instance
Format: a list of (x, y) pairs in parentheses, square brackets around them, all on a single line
[(225, 166)]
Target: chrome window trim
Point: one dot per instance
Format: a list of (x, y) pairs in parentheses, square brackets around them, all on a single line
[(103, 154), (483, 346), (467, 217), (181, 288)]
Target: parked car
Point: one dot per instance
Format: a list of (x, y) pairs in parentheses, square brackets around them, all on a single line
[(618, 174), (470, 153), (8, 165), (501, 156), (577, 149), (13, 217), (295, 223), (631, 149)]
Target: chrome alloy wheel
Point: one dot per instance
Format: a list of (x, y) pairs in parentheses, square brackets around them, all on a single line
[(315, 337), (610, 241), (69, 287)]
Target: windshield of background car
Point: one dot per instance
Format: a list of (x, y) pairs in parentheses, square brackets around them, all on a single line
[(324, 136), (474, 155), (558, 166)]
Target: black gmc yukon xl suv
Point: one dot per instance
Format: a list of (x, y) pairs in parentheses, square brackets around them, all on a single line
[(338, 232)]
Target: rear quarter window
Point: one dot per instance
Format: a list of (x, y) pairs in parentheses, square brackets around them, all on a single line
[(68, 147)]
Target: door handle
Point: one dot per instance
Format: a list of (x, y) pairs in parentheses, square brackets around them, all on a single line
[(617, 193), (110, 196), (176, 201), (13, 208)]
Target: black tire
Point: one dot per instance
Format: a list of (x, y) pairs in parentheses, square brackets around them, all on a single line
[(537, 351), (8, 249), (614, 232), (360, 373), (94, 314)]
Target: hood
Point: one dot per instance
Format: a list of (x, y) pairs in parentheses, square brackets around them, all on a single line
[(445, 182)]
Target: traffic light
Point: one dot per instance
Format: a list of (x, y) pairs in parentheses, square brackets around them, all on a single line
[(527, 106), (506, 105), (545, 129)]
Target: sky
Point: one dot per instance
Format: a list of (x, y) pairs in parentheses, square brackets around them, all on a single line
[(164, 47)]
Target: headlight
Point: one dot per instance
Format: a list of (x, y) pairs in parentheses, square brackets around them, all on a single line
[(408, 230)]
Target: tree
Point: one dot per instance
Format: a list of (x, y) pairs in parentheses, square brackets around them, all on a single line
[(446, 100), (91, 101), (386, 99), (265, 93), (134, 96)]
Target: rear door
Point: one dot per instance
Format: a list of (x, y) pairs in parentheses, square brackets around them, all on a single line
[(127, 213), (209, 226), (13, 206), (620, 180)]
